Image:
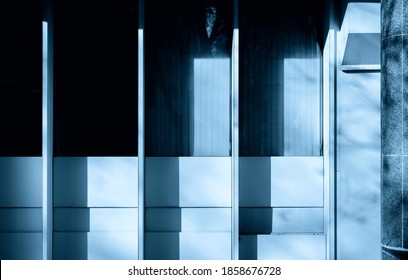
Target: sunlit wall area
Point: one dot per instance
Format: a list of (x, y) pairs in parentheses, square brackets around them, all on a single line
[(281, 202), (96, 165), (281, 164), (188, 208), (95, 208), (358, 134)]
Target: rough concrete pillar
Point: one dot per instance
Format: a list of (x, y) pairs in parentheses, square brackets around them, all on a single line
[(394, 128)]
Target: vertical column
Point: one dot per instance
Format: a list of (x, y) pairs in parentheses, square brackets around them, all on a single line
[(141, 132), (235, 137), (47, 131), (394, 129), (329, 133)]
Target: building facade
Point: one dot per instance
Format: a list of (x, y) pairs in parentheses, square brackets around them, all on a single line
[(208, 130)]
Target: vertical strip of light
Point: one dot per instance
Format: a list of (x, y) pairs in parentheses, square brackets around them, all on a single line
[(329, 131), (46, 144), (235, 137), (141, 133)]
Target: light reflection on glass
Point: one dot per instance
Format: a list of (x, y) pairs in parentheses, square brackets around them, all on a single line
[(302, 113), (211, 136)]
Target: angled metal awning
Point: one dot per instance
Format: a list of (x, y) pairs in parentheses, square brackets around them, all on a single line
[(362, 53)]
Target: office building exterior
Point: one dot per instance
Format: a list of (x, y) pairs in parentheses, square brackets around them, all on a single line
[(216, 129)]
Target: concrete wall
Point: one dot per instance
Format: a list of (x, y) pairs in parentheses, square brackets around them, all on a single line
[(358, 145)]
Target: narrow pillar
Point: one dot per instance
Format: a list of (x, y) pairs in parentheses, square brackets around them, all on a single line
[(141, 134), (47, 129), (394, 128), (235, 136)]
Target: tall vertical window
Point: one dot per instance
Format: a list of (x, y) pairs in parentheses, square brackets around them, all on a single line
[(281, 210), (280, 81), (96, 130), (188, 134)]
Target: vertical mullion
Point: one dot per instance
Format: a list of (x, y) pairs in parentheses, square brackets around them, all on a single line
[(141, 133), (47, 139), (235, 137), (329, 130)]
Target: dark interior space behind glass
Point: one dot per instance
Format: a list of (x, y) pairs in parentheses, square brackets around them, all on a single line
[(184, 32), (271, 38), (95, 80), (20, 78)]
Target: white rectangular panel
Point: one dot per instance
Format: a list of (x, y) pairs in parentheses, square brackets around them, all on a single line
[(205, 219), (205, 182), (112, 246), (113, 219), (205, 246), (291, 247), (296, 181), (298, 220), (112, 181)]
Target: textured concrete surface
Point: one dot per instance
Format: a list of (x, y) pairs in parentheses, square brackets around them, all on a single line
[(394, 91)]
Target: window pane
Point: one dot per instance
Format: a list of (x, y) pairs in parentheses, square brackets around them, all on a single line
[(188, 77), (280, 80), (21, 78), (95, 78)]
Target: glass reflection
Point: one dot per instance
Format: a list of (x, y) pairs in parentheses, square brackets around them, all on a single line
[(206, 219), (280, 142), (218, 40), (301, 115), (211, 109), (184, 61)]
